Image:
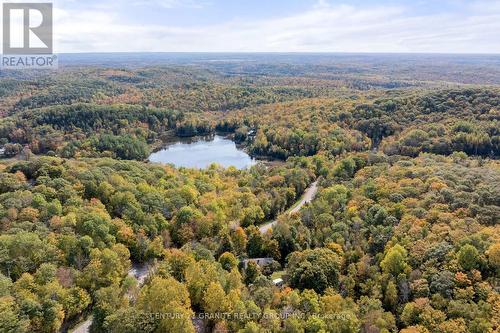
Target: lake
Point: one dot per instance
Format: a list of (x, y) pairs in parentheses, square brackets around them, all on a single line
[(202, 152)]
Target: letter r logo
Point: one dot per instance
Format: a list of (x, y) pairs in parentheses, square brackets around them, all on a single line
[(27, 28)]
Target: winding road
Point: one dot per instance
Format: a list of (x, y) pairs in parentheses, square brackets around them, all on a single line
[(140, 272), (308, 196)]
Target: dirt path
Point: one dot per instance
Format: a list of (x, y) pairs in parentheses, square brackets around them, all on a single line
[(308, 195)]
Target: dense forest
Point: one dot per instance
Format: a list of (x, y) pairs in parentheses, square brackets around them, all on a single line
[(403, 234)]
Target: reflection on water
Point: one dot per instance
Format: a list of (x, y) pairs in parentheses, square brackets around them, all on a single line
[(202, 153)]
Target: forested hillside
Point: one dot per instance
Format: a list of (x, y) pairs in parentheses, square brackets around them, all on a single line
[(403, 234)]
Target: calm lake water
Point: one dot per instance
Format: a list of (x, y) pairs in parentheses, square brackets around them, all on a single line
[(203, 152)]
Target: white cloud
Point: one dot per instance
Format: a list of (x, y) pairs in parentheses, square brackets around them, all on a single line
[(173, 3), (485, 6), (323, 28)]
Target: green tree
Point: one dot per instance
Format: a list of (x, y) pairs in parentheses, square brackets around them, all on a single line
[(214, 299), (315, 269), (11, 320), (395, 261), (171, 298), (468, 257), (228, 261)]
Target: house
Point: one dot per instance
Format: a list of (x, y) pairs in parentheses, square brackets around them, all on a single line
[(261, 262)]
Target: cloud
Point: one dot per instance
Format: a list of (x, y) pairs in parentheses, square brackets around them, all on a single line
[(322, 28), (485, 6), (174, 3), (322, 4)]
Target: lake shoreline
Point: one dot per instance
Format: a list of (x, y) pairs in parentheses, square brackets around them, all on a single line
[(201, 151), (169, 140)]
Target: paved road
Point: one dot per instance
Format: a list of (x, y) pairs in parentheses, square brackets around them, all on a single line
[(308, 195), (83, 327), (139, 271)]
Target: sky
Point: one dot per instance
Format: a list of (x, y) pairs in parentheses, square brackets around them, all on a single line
[(423, 26)]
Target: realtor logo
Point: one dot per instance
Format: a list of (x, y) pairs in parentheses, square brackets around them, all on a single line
[(28, 36)]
